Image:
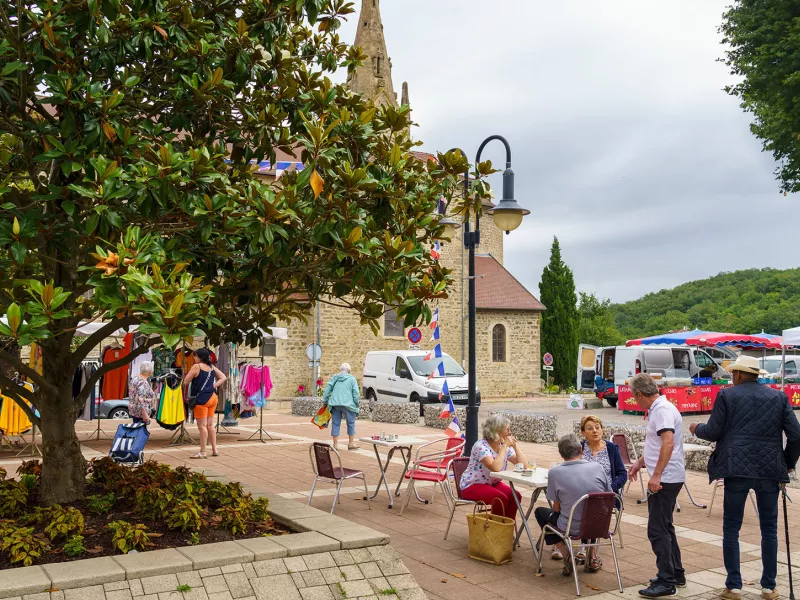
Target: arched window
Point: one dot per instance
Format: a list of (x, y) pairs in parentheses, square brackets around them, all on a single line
[(498, 343)]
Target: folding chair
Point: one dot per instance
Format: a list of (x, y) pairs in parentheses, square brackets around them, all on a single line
[(457, 468), (423, 463), (320, 456), (721, 483), (625, 447), (598, 511)]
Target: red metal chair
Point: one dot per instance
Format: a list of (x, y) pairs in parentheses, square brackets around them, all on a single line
[(440, 461), (457, 468), (321, 462), (625, 446), (598, 512)]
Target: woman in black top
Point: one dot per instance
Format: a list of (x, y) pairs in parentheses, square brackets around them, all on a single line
[(204, 379)]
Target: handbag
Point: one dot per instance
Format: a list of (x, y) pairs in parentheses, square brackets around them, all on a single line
[(322, 418), (192, 400), (491, 537)]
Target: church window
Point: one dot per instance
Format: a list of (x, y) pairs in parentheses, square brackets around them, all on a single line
[(377, 65), (269, 347), (392, 326), (498, 343)]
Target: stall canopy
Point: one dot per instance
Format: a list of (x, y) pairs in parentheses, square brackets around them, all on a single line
[(791, 337), (679, 338), (698, 337)]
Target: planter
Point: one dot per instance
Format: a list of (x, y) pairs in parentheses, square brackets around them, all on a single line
[(307, 406), (396, 412), (432, 412), (530, 426)]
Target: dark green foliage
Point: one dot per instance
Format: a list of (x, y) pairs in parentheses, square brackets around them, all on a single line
[(74, 546), (764, 49), (260, 510), (560, 322), (23, 546), (28, 480), (13, 498), (100, 503), (235, 517), (63, 522), (30, 467), (740, 302), (186, 515), (597, 322), (126, 536)]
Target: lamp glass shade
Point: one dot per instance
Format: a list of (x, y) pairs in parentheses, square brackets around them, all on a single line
[(507, 220), (449, 231)]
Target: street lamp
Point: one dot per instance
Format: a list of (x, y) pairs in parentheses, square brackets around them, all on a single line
[(507, 216)]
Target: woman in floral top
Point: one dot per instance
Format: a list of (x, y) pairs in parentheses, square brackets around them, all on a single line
[(491, 455), (141, 395)]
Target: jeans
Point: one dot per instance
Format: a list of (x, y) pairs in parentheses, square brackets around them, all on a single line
[(547, 516), (336, 420), (482, 492), (736, 492), (661, 533)]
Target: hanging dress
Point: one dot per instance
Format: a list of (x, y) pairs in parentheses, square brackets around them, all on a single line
[(13, 421), (170, 413), (115, 382)]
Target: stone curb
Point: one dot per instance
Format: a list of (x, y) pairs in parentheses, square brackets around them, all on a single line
[(320, 532)]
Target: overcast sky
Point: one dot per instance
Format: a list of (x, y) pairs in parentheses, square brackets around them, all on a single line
[(624, 144)]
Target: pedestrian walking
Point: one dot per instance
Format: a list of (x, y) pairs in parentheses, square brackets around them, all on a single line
[(747, 423), (342, 397), (663, 458)]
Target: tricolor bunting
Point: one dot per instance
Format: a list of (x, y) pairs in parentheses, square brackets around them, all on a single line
[(446, 392), (435, 353), (454, 428), (449, 409)]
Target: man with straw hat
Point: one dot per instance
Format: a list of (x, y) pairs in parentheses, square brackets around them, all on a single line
[(747, 423)]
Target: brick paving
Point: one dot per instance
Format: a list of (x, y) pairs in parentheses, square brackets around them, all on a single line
[(440, 567)]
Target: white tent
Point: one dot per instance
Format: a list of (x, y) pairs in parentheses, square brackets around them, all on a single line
[(791, 337)]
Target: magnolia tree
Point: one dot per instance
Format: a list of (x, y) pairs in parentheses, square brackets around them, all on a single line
[(128, 133)]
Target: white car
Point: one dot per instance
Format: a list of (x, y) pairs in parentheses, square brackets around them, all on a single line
[(403, 376), (774, 365)]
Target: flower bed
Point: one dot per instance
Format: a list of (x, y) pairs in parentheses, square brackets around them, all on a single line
[(147, 507)]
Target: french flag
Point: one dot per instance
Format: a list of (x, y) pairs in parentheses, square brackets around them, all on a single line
[(449, 409), (436, 251), (435, 353), (435, 319), (454, 429), (439, 370), (436, 334), (441, 206)]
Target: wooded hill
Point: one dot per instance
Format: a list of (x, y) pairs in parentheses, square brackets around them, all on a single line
[(742, 302)]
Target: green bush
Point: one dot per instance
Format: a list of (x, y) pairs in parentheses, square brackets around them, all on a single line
[(74, 546), (126, 536), (30, 467), (62, 522), (152, 502), (23, 546), (13, 498), (99, 504), (260, 510), (186, 515), (234, 518), (28, 480)]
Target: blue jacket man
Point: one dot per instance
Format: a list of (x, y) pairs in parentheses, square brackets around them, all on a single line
[(747, 423)]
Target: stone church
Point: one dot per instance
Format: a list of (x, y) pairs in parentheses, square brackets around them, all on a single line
[(508, 354)]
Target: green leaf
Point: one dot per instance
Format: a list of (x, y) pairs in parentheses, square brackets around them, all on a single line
[(19, 252), (132, 81), (91, 223), (13, 67), (69, 207)]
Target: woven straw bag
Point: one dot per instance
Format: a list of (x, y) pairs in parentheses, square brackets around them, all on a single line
[(491, 537)]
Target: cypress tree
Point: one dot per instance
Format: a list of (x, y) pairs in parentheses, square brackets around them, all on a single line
[(561, 321)]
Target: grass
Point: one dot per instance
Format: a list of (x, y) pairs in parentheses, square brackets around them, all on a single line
[(388, 592), (184, 588)]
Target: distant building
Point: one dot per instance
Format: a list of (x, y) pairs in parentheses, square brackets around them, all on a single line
[(508, 315)]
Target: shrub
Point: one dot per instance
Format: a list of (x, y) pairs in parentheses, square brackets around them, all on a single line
[(13, 498), (23, 546), (100, 503), (28, 480), (74, 546), (62, 522), (107, 474), (152, 502), (186, 515), (30, 467), (3, 473), (220, 494), (260, 510), (194, 539), (126, 536), (234, 518)]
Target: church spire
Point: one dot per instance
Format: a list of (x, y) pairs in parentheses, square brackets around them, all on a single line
[(373, 78)]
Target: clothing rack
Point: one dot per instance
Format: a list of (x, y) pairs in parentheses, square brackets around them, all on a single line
[(29, 447), (261, 432), (98, 433)]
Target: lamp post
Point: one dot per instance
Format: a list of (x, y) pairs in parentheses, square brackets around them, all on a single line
[(507, 215)]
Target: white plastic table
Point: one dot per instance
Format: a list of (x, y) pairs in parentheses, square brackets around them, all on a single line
[(404, 444), (538, 482)]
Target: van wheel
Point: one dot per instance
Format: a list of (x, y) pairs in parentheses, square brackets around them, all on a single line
[(612, 402), (372, 399), (415, 398)]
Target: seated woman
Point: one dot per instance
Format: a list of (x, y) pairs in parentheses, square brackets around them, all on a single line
[(491, 455), (606, 454)]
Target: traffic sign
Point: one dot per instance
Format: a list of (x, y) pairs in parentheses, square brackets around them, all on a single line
[(414, 335), (314, 351), (547, 368), (548, 360)]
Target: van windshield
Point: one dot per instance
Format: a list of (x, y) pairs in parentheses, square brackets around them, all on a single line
[(425, 367)]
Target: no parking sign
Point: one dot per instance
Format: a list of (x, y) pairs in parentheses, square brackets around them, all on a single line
[(414, 335)]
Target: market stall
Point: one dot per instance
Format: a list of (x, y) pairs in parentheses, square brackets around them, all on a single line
[(697, 399)]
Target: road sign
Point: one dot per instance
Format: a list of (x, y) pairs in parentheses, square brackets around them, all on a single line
[(313, 363), (414, 335), (413, 346), (548, 368), (314, 351), (548, 359)]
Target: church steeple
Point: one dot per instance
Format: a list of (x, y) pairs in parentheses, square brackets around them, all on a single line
[(373, 78)]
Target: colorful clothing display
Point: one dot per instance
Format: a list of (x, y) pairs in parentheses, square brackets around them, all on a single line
[(141, 396), (163, 358), (79, 380), (115, 382), (13, 420), (170, 408)]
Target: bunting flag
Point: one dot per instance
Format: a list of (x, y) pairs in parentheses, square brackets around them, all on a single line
[(454, 428), (436, 251), (449, 409), (439, 370), (441, 206), (446, 392), (435, 319), (436, 334), (435, 353)]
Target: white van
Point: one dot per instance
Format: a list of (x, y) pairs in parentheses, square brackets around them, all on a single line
[(603, 370), (402, 375)]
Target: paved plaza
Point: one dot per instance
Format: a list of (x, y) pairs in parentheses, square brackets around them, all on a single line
[(441, 568)]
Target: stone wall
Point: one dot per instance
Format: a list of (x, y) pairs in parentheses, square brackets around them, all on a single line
[(432, 412), (530, 426), (521, 371), (396, 412), (308, 406)]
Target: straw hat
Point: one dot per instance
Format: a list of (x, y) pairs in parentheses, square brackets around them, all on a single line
[(747, 364)]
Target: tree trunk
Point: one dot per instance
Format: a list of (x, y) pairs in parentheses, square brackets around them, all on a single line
[(63, 465)]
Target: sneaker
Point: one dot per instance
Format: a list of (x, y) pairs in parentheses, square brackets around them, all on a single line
[(658, 590), (769, 594), (679, 581), (731, 594)]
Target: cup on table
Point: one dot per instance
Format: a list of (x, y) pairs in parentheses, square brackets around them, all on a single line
[(519, 468), (383, 436), (532, 465)]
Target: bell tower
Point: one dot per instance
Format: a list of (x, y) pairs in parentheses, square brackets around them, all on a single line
[(373, 78)]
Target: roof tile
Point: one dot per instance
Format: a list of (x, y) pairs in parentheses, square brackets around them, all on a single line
[(498, 289)]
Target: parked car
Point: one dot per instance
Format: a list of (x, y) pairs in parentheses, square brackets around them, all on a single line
[(403, 375), (774, 365), (113, 409), (603, 370)]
